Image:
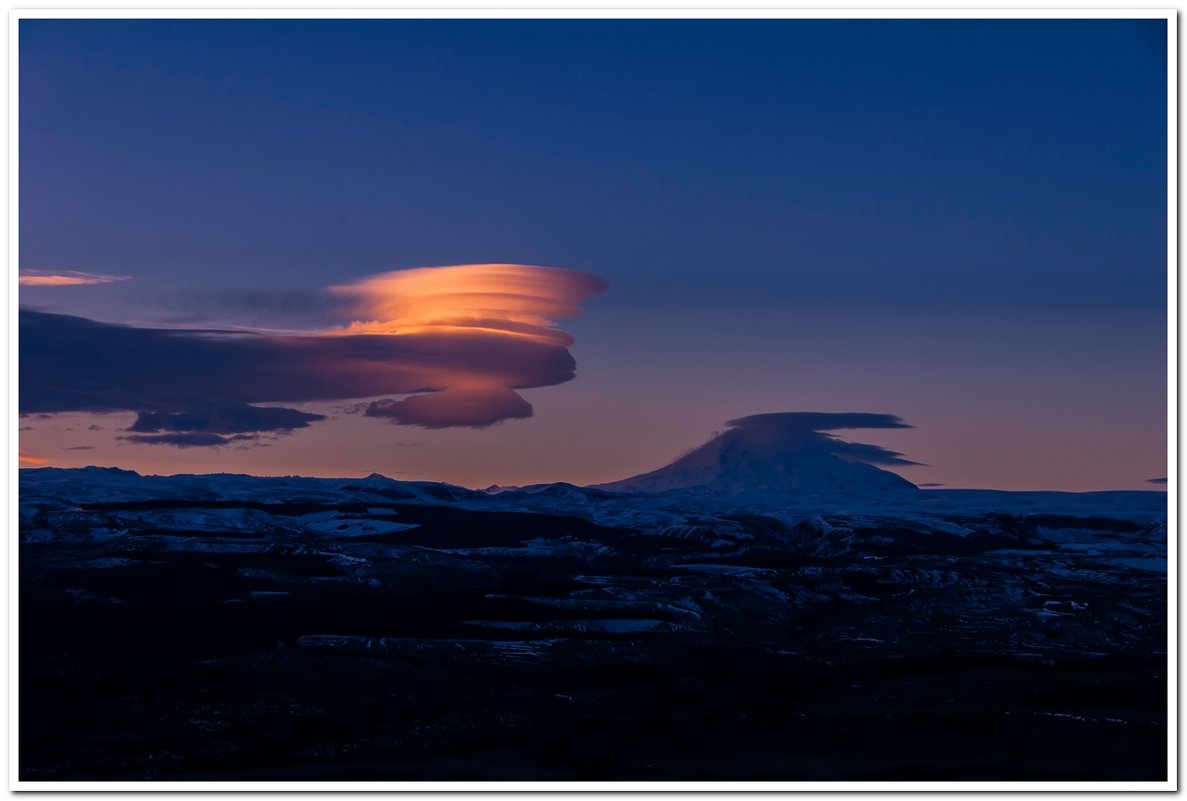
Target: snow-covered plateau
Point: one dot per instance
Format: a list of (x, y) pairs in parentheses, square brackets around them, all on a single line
[(229, 626)]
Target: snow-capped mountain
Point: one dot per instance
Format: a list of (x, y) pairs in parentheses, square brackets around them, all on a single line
[(775, 453)]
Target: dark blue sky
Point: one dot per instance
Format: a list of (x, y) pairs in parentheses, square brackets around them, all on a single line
[(882, 178)]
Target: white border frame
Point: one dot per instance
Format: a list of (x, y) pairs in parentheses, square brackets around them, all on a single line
[(489, 9)]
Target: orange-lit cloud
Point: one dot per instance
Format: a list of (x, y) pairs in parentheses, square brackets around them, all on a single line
[(459, 341), (66, 278), (510, 299), (29, 460)]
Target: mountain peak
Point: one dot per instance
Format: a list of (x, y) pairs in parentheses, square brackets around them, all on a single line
[(782, 452)]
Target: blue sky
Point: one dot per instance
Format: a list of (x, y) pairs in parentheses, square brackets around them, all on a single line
[(946, 220)]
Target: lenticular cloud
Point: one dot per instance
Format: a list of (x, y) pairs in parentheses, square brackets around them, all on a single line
[(511, 299), (458, 340)]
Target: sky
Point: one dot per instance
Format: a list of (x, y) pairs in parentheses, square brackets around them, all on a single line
[(225, 230)]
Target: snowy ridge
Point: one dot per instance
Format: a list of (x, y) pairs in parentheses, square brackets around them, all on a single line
[(57, 489)]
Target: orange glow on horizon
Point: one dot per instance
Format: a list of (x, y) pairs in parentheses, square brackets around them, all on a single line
[(26, 459)]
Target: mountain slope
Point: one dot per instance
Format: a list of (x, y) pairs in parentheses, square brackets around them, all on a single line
[(784, 453)]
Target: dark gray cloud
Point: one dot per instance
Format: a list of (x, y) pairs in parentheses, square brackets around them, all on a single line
[(477, 407), (804, 431), (74, 364), (188, 439), (225, 420), (1156, 480), (81, 448), (870, 454)]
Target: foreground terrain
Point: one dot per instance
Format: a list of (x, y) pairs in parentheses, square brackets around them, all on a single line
[(229, 627)]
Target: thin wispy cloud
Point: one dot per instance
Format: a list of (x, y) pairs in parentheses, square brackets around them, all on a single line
[(29, 277), (258, 308), (188, 439)]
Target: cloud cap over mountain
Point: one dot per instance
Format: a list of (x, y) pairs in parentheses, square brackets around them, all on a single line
[(786, 451), (819, 421)]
